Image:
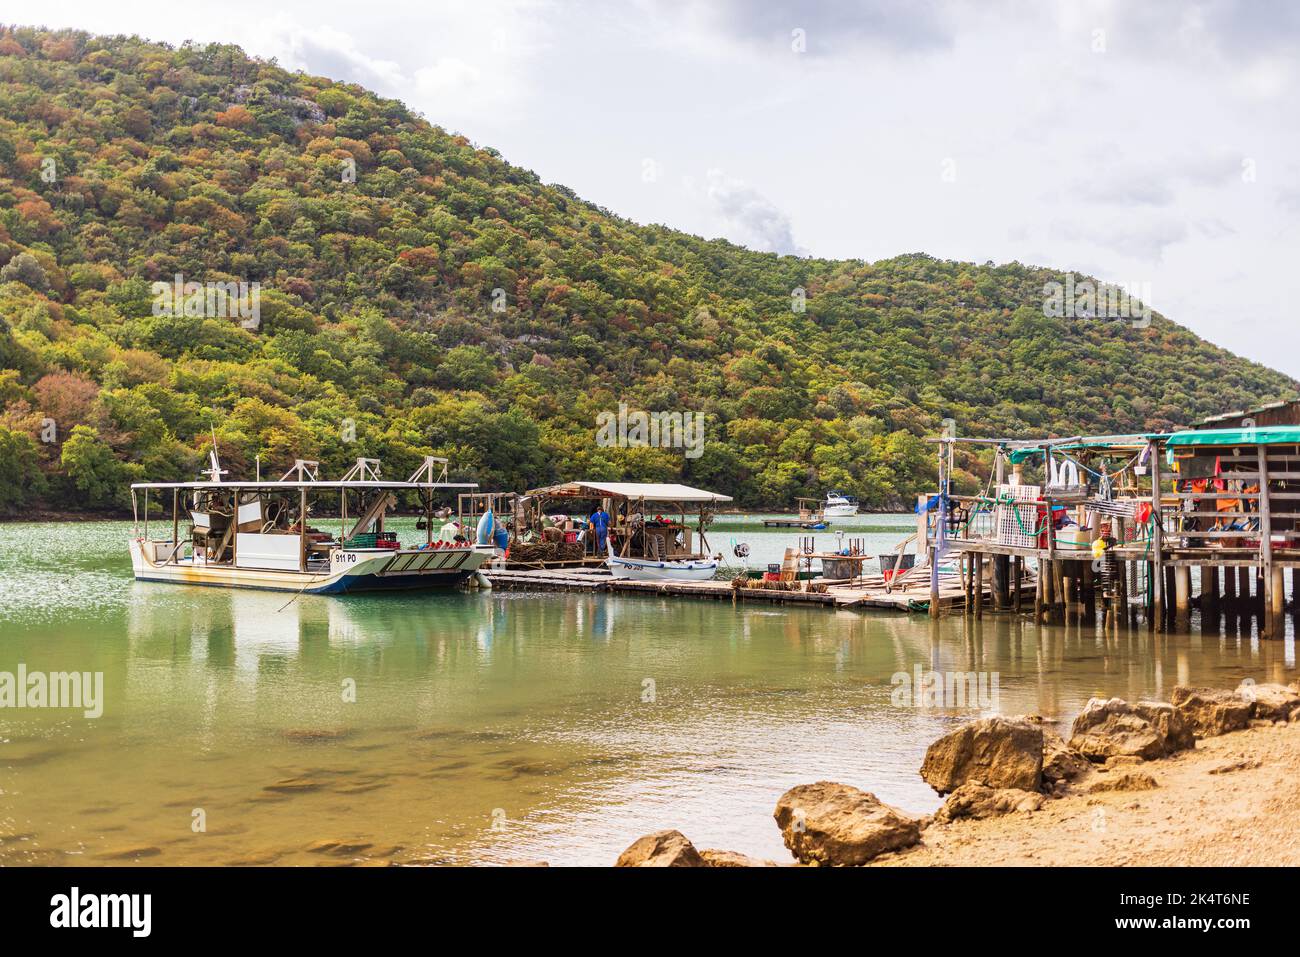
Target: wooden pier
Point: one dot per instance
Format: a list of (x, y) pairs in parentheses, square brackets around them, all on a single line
[(867, 592), (1125, 532)]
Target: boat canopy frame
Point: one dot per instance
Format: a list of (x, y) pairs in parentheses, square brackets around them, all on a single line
[(634, 496), (429, 477)]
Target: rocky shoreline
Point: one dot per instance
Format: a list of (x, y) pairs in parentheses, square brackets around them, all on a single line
[(1221, 763)]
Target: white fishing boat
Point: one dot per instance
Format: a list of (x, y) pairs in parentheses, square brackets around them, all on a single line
[(839, 504), (264, 534), (647, 569)]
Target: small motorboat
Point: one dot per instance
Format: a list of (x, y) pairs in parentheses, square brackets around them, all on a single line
[(837, 503), (649, 569)]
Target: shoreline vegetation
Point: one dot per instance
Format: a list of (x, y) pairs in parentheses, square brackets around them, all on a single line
[(1206, 780)]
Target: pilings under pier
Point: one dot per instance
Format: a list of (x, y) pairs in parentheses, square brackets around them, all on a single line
[(1128, 584)]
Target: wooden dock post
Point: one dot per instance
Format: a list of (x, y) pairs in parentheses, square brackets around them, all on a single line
[(1277, 603), (1017, 575), (1058, 586), (1230, 588), (979, 584), (1182, 590), (1272, 622), (1209, 594), (964, 563), (1157, 543), (1039, 587), (1001, 582), (1085, 586)]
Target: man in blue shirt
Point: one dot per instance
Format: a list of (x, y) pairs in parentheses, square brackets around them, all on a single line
[(599, 522)]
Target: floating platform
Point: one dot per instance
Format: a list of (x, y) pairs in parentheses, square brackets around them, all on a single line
[(869, 591), (794, 523)]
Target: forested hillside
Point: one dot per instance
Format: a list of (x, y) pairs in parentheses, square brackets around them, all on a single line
[(418, 294)]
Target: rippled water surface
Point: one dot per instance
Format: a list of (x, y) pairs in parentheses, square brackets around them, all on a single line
[(490, 726)]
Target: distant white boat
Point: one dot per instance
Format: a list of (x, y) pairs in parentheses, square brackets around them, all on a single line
[(648, 569), (839, 504)]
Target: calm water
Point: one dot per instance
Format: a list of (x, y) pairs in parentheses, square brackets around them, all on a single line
[(489, 726)]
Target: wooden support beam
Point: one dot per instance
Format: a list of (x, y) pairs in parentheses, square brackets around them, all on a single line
[(1039, 587), (1209, 591), (970, 582), (1277, 604), (1273, 626), (1157, 542), (979, 584), (1001, 582), (1183, 589), (1058, 586)]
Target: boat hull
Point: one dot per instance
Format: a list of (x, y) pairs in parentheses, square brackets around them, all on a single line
[(661, 571), (350, 571), (839, 510)]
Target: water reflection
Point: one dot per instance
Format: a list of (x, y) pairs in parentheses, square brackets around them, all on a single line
[(534, 705)]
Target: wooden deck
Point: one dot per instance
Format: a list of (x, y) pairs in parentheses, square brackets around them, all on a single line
[(912, 594)]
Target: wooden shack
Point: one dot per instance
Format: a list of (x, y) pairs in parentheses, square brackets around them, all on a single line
[(648, 520), (1129, 519)]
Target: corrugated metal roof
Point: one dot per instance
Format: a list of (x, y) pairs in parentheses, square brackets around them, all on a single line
[(1243, 413), (649, 491)]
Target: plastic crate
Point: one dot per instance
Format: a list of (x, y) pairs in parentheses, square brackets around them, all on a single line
[(1014, 523)]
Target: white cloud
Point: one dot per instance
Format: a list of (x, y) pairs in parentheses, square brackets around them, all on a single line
[(326, 51), (748, 216)]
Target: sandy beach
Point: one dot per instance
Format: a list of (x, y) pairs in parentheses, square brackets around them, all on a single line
[(1229, 802)]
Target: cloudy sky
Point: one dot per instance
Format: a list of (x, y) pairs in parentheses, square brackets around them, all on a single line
[(1154, 143)]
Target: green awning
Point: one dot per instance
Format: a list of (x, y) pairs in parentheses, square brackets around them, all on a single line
[(1022, 454), (1263, 435)]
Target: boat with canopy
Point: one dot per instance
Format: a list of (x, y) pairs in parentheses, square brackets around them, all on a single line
[(275, 534), (645, 536)]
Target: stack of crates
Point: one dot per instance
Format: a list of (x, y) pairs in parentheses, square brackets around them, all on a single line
[(372, 540), (1015, 523)]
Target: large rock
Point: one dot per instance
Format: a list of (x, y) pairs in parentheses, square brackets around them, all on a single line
[(1212, 711), (998, 752), (976, 801), (718, 858), (1127, 781), (661, 849), (1061, 762), (1270, 702), (1111, 727), (828, 823)]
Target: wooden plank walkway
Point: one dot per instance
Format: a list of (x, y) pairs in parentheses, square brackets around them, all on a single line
[(866, 592)]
